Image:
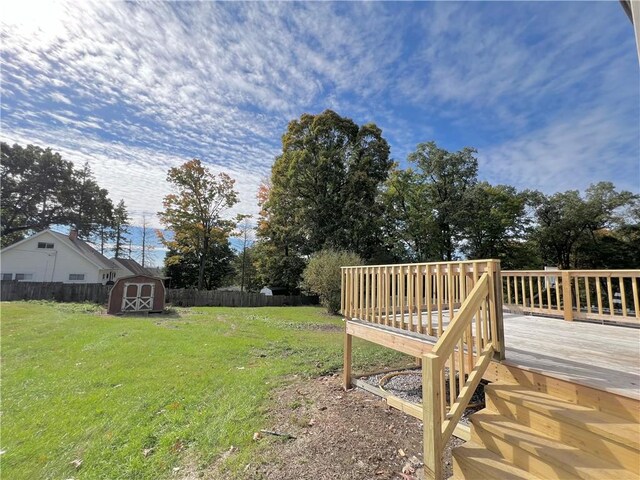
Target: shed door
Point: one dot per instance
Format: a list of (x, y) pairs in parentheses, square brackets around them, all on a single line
[(138, 297)]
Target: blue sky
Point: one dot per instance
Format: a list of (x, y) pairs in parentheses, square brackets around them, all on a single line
[(547, 92)]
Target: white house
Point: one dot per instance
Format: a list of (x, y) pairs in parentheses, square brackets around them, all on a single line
[(50, 256)]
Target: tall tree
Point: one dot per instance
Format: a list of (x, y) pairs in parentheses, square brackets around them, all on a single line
[(324, 188), (121, 229), (495, 221), (194, 212), (146, 247), (426, 203), (245, 234), (566, 220), (92, 210), (37, 186)]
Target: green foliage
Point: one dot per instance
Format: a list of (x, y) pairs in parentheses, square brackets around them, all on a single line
[(80, 385), (121, 229), (568, 223), (495, 222), (426, 204), (91, 210), (40, 189), (324, 192), (322, 276), (183, 269), (194, 213), (245, 272)]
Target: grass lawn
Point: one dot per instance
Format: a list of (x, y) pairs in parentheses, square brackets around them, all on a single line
[(77, 384)]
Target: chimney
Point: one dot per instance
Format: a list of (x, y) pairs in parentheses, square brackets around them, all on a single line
[(73, 234)]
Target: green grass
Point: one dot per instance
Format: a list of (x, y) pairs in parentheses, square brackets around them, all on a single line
[(77, 384)]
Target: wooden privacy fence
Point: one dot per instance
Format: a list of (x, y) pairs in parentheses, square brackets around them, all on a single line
[(98, 293), (414, 297), (605, 295), (56, 291), (217, 298)]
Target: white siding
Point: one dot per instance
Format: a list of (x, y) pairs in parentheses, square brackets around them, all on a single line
[(48, 265)]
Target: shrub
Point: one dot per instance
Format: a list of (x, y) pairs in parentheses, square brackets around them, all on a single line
[(322, 276)]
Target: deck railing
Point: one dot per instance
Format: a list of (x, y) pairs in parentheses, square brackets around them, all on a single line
[(414, 297), (458, 306), (605, 295)]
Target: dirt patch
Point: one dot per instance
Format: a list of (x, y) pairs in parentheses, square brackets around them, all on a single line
[(337, 434)]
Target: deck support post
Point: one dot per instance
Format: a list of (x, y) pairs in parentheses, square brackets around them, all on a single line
[(347, 360), (431, 419), (567, 301)]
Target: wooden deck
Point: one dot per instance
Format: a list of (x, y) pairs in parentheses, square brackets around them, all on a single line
[(605, 357)]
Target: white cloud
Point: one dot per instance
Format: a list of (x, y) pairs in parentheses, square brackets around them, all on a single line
[(135, 88)]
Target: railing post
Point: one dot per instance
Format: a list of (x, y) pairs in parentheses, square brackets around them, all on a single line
[(495, 308), (347, 360), (431, 417), (567, 302)]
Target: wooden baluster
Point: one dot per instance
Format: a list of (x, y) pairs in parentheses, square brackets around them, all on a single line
[(558, 307), (361, 288), (576, 283), (452, 379), (403, 302), (439, 298), (410, 298), (450, 292), (387, 295), (429, 280), (367, 294), (348, 300), (524, 292), (588, 295), (443, 389), (539, 283), (548, 288), (531, 303), (515, 289), (378, 271), (636, 301), (508, 279), (485, 323), (623, 296), (394, 295), (461, 367), (420, 289), (479, 343), (599, 293), (610, 294)]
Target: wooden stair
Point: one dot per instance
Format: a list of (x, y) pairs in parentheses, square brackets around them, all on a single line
[(525, 433)]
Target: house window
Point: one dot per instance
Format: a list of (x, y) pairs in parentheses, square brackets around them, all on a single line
[(24, 276), (45, 245), (7, 276), (76, 276)]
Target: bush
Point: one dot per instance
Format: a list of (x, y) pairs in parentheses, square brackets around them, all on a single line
[(322, 276)]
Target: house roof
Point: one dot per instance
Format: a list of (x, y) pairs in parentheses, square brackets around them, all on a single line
[(77, 245), (133, 266), (87, 251)]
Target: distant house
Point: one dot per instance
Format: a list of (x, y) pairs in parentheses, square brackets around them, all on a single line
[(270, 291), (128, 266), (50, 256)]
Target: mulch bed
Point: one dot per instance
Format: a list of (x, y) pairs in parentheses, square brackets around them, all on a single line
[(338, 434)]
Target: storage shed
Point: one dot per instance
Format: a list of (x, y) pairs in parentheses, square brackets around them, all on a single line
[(136, 293)]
